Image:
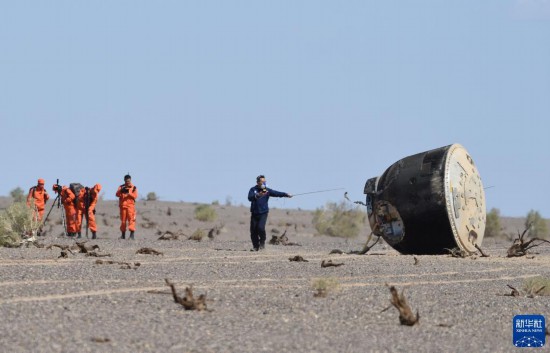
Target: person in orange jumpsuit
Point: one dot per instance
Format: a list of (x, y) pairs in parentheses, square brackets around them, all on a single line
[(79, 213), (67, 198), (127, 195), (88, 199), (40, 196)]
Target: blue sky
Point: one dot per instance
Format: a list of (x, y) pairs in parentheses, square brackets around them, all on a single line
[(196, 98)]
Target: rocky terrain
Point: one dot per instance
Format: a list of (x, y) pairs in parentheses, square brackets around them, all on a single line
[(255, 301)]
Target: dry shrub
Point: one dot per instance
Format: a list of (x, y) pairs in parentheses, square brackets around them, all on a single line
[(197, 235), (15, 222), (537, 285), (323, 286), (492, 223), (17, 194), (205, 213), (151, 197), (536, 224), (339, 220)]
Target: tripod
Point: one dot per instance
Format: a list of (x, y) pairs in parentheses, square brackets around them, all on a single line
[(58, 202)]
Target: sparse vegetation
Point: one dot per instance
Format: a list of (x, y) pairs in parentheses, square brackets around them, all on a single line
[(151, 197), (323, 286), (168, 235), (536, 224), (17, 194), (492, 225), (205, 213), (197, 235), (15, 222), (215, 203), (339, 220), (537, 286)]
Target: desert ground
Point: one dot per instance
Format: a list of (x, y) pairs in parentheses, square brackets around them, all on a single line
[(256, 301)]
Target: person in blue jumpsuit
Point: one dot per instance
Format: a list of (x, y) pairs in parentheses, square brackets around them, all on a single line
[(259, 196)]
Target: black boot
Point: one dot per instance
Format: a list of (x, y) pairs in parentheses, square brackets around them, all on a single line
[(123, 236), (132, 235), (79, 235), (93, 235)]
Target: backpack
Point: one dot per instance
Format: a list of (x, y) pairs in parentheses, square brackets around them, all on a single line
[(75, 188), (87, 198), (33, 188)]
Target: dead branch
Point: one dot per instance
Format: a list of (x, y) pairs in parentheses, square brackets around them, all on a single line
[(95, 254), (36, 244), (514, 293), (520, 247), (297, 258), (416, 261), (406, 316), (215, 231), (457, 252), (123, 265), (83, 248), (282, 240), (149, 251), (212, 233), (168, 235), (329, 263), (336, 251), (189, 302), (483, 254), (60, 246)]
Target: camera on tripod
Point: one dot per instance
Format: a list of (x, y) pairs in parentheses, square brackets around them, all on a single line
[(57, 188)]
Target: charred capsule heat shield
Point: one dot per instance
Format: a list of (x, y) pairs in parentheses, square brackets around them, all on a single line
[(429, 202)]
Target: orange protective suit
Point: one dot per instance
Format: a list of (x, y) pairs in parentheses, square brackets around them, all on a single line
[(126, 203), (67, 198), (40, 196), (91, 199)]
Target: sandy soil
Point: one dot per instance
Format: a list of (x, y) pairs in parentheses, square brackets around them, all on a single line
[(259, 301)]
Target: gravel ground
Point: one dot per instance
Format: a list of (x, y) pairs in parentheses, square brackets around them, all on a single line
[(258, 301)]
